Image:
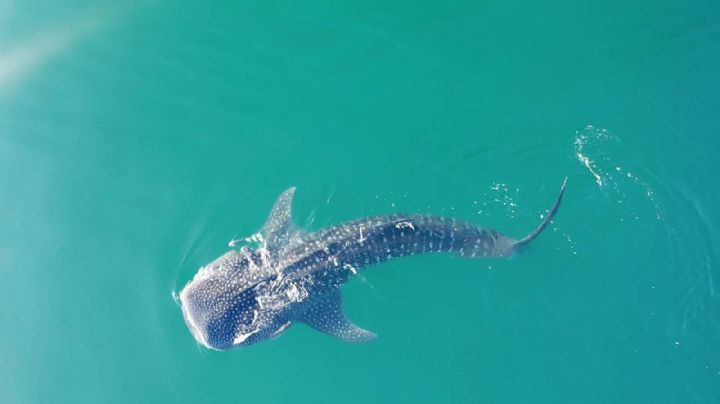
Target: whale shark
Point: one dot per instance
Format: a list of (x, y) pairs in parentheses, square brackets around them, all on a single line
[(253, 294)]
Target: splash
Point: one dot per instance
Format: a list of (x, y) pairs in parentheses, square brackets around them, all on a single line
[(502, 195), (595, 149), (590, 137)]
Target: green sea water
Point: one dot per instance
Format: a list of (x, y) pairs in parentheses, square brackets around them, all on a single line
[(138, 138)]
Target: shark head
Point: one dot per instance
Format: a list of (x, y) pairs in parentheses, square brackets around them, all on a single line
[(223, 306), (242, 298)]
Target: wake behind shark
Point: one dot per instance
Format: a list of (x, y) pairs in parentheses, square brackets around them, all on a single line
[(251, 295)]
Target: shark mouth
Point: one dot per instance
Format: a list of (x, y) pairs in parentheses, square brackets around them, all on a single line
[(194, 329)]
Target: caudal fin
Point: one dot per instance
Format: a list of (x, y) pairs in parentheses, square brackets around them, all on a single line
[(530, 237)]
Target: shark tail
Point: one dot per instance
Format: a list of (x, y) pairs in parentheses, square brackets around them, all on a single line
[(530, 237)]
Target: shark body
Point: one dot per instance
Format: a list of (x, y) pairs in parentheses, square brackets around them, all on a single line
[(251, 295)]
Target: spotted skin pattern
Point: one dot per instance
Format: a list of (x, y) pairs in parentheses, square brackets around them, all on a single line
[(253, 294)]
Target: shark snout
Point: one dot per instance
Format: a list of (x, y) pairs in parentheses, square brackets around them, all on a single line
[(190, 321)]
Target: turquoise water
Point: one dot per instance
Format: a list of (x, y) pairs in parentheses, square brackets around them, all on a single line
[(137, 139)]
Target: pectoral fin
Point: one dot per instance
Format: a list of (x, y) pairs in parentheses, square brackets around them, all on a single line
[(325, 315)]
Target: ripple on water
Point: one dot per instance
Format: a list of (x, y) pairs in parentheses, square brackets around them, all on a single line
[(596, 149), (685, 313)]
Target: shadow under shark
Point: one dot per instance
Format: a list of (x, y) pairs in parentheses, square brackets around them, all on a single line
[(251, 295)]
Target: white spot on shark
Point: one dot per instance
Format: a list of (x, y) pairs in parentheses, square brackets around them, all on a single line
[(404, 225), (350, 268)]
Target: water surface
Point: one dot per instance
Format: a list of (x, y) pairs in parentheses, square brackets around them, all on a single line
[(137, 139)]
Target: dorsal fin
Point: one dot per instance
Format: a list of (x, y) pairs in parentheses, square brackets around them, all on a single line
[(279, 232), (324, 313), (281, 214)]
